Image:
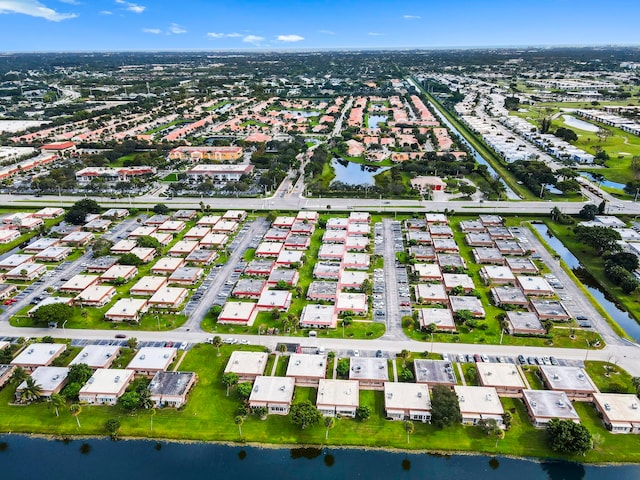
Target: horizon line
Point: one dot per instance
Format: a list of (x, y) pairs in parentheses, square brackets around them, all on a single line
[(333, 49)]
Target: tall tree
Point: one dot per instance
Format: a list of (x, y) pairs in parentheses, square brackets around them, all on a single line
[(75, 410), (239, 420), (445, 407), (602, 239), (568, 437), (31, 391), (229, 379), (329, 423), (305, 414), (217, 342), (57, 402), (409, 427), (79, 373)]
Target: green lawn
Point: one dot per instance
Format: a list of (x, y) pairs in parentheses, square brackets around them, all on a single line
[(209, 416), (609, 378)]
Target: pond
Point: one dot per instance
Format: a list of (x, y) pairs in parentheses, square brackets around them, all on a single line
[(621, 317), (604, 183), (101, 459), (354, 173), (580, 124), (375, 120), (301, 113)]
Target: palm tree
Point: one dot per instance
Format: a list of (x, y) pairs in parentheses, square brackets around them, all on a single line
[(31, 392), (57, 401), (409, 427), (239, 420), (145, 399), (19, 375), (217, 342), (75, 410), (329, 423)]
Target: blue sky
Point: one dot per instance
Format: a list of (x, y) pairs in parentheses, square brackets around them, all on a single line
[(58, 25)]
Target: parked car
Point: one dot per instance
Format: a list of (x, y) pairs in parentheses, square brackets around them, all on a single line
[(120, 335), (522, 360)]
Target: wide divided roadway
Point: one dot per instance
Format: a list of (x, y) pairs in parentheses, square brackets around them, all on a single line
[(296, 203)]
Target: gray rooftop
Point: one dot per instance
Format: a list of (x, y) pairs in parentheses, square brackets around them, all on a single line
[(170, 383), (550, 404), (434, 372), (368, 368)]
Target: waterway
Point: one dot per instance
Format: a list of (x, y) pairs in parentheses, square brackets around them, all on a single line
[(621, 317), (604, 183), (511, 195), (355, 173), (375, 120), (101, 459)]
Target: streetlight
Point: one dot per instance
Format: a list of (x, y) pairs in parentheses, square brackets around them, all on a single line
[(158, 320), (587, 354)]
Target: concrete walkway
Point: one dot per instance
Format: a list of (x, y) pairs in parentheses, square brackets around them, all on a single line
[(462, 379), (395, 369)]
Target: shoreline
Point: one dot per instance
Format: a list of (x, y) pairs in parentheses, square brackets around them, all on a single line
[(285, 446)]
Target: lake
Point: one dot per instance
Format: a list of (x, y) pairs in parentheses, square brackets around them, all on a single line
[(374, 120), (604, 183), (621, 317), (354, 173), (102, 459)]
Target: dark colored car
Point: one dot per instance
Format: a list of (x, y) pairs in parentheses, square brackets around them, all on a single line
[(120, 335), (522, 360)]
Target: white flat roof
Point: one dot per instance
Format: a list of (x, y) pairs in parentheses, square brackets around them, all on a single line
[(315, 314), (272, 389), (49, 378), (306, 365), (480, 400), (150, 283), (338, 392), (238, 311), (348, 301), (80, 282), (127, 307), (499, 375), (167, 295), (95, 293), (39, 354), (107, 381), (619, 407), (406, 396), (251, 363), (153, 358), (96, 356)]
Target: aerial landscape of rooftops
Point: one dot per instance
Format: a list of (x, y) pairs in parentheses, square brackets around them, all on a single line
[(340, 237)]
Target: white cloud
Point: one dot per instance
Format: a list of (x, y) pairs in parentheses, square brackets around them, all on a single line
[(176, 29), (106, 12), (290, 38), (411, 17), (327, 32), (154, 31), (255, 39), (224, 35), (71, 2), (375, 34), (33, 8), (132, 7)]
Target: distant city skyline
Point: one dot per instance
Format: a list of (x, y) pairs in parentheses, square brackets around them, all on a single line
[(91, 25)]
